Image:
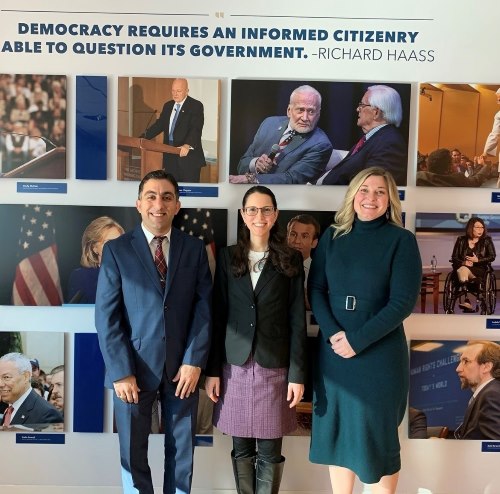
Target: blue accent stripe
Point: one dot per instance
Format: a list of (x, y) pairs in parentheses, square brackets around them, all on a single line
[(91, 127), (88, 395)]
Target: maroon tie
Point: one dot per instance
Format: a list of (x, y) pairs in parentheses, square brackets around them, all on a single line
[(359, 145), (161, 264), (8, 415)]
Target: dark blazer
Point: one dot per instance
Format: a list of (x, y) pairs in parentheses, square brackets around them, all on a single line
[(386, 149), (417, 424), (35, 412), (188, 130), (482, 417), (484, 250), (302, 160), (142, 329), (268, 321)]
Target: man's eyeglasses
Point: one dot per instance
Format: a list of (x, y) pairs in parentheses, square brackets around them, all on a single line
[(252, 210), (362, 105)]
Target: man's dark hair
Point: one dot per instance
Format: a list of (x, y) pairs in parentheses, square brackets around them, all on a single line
[(306, 219), (439, 161), (159, 175), (490, 352)]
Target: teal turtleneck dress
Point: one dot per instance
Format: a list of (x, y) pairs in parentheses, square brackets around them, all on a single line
[(359, 402)]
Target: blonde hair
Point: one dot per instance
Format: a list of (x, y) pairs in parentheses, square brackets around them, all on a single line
[(92, 235), (345, 216)]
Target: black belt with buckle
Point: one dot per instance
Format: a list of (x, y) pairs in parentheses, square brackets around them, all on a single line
[(351, 303)]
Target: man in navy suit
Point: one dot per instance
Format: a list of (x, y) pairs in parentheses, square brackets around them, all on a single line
[(271, 159), (181, 121), (29, 409), (154, 333), (479, 370), (379, 113)]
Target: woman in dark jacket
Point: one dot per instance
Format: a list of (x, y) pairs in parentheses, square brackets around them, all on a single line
[(256, 367), (472, 254)]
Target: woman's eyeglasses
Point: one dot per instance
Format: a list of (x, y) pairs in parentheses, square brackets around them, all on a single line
[(252, 210)]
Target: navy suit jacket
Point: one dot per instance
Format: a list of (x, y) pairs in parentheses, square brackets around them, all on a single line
[(303, 160), (142, 328), (482, 417), (35, 412), (386, 149), (188, 130)]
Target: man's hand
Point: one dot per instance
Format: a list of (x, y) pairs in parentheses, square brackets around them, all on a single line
[(186, 378), (127, 390), (212, 387), (185, 148), (263, 164)]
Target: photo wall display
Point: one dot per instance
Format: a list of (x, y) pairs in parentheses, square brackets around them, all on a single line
[(458, 135), (32, 369), (459, 257), (33, 126), (331, 119), (158, 118), (52, 253), (441, 389)]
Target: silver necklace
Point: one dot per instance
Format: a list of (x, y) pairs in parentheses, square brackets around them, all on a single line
[(258, 266)]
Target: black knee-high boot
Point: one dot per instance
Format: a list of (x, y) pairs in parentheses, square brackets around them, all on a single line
[(244, 474), (268, 476)]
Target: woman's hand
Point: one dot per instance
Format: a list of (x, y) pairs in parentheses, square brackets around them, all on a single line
[(212, 387), (295, 393), (472, 259), (341, 346)]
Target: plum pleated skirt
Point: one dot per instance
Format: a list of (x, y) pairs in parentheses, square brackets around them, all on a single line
[(253, 402)]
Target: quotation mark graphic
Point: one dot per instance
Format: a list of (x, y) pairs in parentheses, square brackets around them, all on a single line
[(219, 14)]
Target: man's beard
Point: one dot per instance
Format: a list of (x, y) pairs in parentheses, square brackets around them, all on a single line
[(466, 384)]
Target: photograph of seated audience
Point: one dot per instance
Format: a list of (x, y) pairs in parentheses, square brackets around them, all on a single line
[(299, 132), (458, 252), (454, 134), (32, 123)]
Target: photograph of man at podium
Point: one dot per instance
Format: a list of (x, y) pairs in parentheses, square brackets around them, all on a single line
[(168, 123), (33, 128)]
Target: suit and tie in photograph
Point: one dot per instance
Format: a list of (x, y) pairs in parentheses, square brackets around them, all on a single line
[(288, 150), (181, 121), (26, 409), (153, 319), (322, 115), (479, 371), (379, 115)]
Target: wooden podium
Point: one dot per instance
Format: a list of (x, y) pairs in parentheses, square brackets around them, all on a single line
[(137, 148), (49, 165)]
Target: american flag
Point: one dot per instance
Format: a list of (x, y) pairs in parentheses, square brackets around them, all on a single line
[(197, 222), (37, 274)]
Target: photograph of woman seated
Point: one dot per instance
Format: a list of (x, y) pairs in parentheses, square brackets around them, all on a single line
[(472, 256), (364, 281), (257, 363)]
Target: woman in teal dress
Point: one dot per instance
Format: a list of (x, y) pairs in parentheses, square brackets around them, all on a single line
[(364, 281)]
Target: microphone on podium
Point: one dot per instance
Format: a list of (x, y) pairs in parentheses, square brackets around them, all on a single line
[(147, 125), (46, 140)]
